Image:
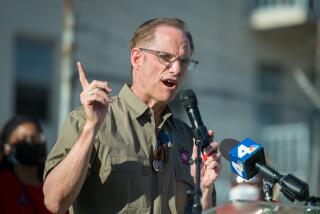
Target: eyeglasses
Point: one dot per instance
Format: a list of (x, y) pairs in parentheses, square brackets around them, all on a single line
[(168, 59), (161, 152)]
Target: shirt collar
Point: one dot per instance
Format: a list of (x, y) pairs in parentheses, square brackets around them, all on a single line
[(166, 114), (135, 104), (138, 107)]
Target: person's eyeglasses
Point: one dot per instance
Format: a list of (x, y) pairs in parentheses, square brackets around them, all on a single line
[(161, 152), (168, 59)]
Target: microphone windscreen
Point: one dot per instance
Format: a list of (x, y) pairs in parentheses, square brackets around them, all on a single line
[(188, 98), (226, 146)]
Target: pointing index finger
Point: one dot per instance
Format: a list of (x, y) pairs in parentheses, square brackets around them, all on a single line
[(82, 76)]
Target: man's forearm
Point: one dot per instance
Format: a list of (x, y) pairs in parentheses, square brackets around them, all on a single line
[(64, 182), (208, 198)]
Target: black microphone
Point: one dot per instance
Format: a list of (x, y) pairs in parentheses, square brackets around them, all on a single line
[(190, 103)]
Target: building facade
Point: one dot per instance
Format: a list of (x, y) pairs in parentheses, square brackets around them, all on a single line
[(245, 80)]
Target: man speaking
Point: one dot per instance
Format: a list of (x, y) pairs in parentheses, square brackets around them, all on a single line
[(128, 153)]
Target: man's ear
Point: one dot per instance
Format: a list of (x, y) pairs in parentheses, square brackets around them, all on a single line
[(136, 58)]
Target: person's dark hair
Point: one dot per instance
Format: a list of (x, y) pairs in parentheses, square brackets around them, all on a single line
[(13, 123), (145, 32), (6, 132)]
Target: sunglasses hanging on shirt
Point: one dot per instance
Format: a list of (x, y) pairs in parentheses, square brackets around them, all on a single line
[(161, 152)]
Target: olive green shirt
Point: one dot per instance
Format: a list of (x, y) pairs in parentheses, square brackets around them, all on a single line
[(121, 178)]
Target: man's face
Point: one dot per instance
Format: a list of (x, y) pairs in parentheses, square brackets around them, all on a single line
[(154, 81)]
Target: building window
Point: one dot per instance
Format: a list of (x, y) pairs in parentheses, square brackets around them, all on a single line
[(33, 75), (269, 84)]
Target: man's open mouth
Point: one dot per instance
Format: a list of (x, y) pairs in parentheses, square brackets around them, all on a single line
[(169, 83)]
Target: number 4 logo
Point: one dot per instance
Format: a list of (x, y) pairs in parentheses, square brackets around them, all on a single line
[(243, 150)]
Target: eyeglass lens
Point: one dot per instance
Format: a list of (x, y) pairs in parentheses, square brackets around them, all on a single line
[(168, 60)]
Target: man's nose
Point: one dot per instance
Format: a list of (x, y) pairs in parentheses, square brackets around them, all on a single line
[(175, 66)]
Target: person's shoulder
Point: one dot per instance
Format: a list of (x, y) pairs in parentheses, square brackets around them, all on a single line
[(74, 120), (6, 175), (115, 100), (180, 123), (118, 104), (7, 179), (78, 113)]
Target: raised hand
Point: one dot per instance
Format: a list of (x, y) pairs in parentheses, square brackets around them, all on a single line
[(94, 98)]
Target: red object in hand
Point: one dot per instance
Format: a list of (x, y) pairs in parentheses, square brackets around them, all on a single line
[(205, 157)]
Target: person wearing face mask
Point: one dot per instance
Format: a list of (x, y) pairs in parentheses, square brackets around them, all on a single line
[(24, 150)]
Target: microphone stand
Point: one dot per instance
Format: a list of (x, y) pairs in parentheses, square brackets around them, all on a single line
[(196, 207), (190, 103), (291, 186), (267, 189), (201, 136)]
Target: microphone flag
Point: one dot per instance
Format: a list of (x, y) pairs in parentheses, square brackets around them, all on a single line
[(244, 156)]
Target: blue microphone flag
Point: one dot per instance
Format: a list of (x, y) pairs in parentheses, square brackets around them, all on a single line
[(244, 156)]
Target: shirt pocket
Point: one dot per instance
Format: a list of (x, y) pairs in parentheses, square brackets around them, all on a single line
[(131, 176)]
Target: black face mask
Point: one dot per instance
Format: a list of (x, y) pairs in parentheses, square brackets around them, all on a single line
[(28, 153)]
